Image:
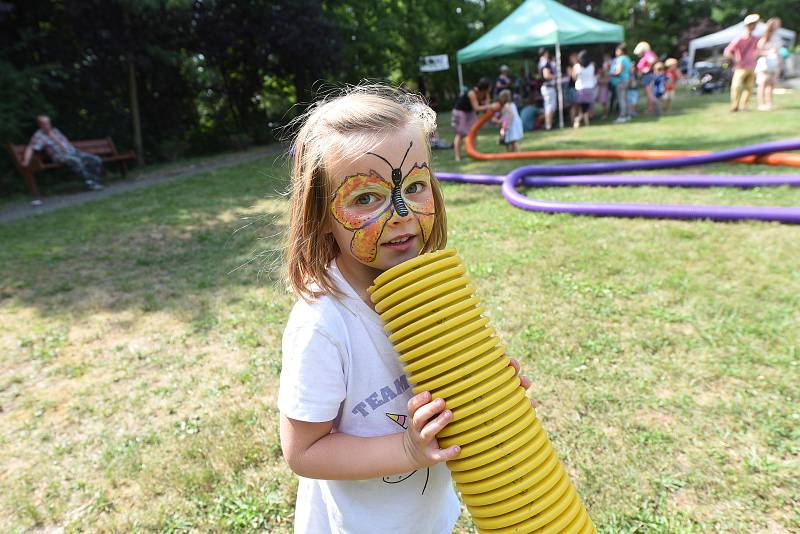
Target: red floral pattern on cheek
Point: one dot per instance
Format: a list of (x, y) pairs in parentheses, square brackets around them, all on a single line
[(364, 244)]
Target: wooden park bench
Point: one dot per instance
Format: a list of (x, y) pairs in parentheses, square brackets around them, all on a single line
[(104, 148)]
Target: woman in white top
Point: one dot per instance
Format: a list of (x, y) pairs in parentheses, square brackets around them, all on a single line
[(769, 63), (585, 83)]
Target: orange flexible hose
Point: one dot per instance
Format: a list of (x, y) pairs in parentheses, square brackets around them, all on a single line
[(781, 158)]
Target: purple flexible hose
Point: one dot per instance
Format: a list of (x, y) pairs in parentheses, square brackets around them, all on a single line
[(563, 175)]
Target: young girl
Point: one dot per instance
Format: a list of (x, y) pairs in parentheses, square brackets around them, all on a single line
[(673, 75), (768, 65), (603, 79), (363, 200), (659, 84), (633, 95), (511, 123), (644, 67), (585, 81)]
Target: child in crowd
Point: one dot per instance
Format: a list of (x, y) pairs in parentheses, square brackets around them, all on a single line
[(659, 85), (603, 79), (363, 200), (568, 88), (673, 75), (621, 71), (511, 123), (585, 82), (633, 94)]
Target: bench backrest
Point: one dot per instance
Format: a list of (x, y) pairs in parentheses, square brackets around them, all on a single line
[(100, 147)]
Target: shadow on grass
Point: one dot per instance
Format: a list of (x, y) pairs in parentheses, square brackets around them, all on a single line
[(165, 247)]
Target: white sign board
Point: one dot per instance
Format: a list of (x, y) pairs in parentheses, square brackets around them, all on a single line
[(434, 63)]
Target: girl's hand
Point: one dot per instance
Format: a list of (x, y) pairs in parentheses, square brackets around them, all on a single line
[(427, 418), (524, 381)]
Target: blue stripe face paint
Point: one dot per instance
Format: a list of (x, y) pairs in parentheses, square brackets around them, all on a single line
[(397, 179)]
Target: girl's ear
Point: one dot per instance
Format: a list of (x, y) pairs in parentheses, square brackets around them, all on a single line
[(326, 227)]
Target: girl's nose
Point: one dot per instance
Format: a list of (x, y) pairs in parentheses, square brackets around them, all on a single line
[(398, 218)]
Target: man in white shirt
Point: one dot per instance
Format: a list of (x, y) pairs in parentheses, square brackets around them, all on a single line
[(60, 150)]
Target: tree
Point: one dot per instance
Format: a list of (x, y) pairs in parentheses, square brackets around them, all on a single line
[(248, 41), (94, 44)]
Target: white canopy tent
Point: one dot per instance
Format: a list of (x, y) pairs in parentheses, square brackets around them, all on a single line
[(722, 38)]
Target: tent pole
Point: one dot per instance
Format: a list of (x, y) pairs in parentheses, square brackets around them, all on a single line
[(559, 87), (460, 80)]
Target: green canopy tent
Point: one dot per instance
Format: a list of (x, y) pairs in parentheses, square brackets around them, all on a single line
[(539, 23)]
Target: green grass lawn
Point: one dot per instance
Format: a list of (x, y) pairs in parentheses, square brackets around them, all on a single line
[(140, 345)]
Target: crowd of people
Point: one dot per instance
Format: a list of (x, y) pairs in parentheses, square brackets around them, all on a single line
[(588, 89), (756, 60), (592, 87)]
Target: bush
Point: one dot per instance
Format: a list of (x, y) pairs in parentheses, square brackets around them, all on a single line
[(20, 100)]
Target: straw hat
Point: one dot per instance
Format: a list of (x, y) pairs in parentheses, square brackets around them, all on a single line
[(641, 48), (752, 18)]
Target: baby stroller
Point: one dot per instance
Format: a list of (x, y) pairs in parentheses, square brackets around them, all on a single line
[(711, 78)]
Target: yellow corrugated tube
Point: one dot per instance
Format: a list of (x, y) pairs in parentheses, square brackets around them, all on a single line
[(507, 471)]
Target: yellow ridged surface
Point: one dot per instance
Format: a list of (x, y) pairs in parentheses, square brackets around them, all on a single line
[(507, 471)]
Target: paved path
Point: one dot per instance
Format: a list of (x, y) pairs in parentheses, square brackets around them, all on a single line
[(25, 208), (791, 83)]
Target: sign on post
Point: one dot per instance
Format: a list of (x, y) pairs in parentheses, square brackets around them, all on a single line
[(434, 63)]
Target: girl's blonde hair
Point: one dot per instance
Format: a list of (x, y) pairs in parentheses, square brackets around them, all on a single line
[(641, 48), (504, 96), (337, 128), (773, 25)]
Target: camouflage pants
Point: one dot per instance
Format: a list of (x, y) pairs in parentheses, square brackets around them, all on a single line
[(87, 166)]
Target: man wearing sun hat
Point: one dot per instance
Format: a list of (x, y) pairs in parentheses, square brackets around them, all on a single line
[(743, 51)]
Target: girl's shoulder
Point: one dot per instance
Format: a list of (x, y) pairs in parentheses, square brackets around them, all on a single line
[(333, 314), (324, 314)]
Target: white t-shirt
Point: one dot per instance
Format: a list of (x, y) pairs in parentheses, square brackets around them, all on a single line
[(771, 60), (584, 77), (338, 364)]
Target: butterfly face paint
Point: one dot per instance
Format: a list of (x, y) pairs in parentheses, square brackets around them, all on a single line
[(364, 203), (397, 178)]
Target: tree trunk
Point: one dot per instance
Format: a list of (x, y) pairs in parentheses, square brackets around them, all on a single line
[(302, 89), (137, 122)]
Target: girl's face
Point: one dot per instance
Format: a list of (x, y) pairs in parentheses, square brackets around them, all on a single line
[(382, 211)]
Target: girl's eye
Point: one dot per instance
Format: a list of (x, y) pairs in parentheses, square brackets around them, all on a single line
[(364, 199), (416, 187)]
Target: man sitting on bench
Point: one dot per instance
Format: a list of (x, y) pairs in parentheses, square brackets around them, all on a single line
[(59, 149)]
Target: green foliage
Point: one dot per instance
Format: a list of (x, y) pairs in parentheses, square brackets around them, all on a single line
[(729, 12), (214, 75), (20, 92), (20, 98), (662, 23)]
